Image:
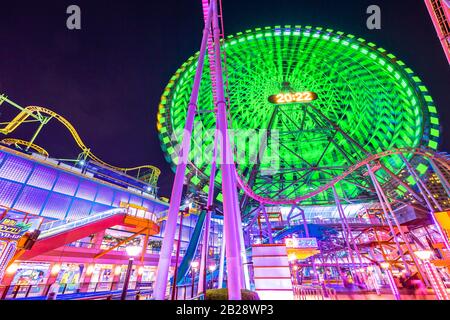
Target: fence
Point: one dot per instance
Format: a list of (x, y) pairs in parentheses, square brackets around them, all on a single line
[(314, 293)]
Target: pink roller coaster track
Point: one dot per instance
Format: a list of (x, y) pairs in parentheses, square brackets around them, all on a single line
[(421, 152)]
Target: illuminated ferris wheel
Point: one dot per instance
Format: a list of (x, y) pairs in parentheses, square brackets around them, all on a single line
[(328, 99)]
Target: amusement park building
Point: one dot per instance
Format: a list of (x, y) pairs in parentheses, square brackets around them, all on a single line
[(43, 191)]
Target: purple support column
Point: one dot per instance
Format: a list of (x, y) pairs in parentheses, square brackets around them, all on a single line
[(305, 226), (305, 223), (422, 187), (385, 204), (424, 192), (269, 226), (352, 239), (252, 222), (345, 232), (290, 214), (233, 251), (392, 284), (204, 259), (222, 262), (386, 215), (245, 276), (177, 190)]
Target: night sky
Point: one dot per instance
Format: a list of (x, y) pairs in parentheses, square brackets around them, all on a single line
[(107, 79)]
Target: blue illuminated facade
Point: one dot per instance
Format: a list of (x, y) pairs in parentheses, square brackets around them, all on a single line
[(53, 190)]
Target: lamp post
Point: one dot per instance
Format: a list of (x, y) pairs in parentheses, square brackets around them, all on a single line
[(387, 268), (211, 268), (132, 251), (177, 256), (435, 280), (194, 266)]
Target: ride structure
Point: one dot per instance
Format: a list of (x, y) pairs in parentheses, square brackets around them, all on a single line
[(439, 11), (350, 122), (42, 116), (319, 139), (229, 189)]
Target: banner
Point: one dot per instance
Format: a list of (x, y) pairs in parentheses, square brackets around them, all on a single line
[(11, 229)]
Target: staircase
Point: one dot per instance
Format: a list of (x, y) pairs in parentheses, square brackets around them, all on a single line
[(272, 273)]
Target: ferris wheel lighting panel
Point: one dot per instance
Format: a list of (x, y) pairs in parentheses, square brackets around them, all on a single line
[(369, 93)]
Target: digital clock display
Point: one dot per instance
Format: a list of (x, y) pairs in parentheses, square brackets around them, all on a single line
[(293, 97)]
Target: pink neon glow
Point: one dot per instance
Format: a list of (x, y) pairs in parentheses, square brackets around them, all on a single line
[(426, 153)]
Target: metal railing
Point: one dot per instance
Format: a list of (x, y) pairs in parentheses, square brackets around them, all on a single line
[(58, 226), (314, 293), (55, 227), (185, 292)]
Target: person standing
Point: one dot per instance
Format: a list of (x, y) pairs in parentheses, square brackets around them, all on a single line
[(53, 291)]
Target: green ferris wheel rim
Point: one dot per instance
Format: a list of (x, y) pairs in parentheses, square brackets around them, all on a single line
[(370, 94)]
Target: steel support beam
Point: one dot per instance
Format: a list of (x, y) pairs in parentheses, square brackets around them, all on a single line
[(159, 292)]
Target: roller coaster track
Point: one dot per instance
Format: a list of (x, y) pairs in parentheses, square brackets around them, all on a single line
[(31, 110), (439, 159), (18, 142)]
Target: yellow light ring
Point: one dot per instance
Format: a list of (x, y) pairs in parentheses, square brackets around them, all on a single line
[(24, 143), (24, 114)]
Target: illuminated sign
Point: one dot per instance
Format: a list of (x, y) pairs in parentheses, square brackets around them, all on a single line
[(293, 97), (444, 219), (11, 229), (301, 243)]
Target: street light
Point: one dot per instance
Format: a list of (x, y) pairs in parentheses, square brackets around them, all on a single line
[(132, 251), (194, 266), (55, 269), (436, 281), (90, 270), (12, 268), (177, 256), (387, 268), (211, 268)]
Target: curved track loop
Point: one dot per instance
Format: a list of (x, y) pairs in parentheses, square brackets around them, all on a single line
[(40, 150), (421, 152), (28, 111)]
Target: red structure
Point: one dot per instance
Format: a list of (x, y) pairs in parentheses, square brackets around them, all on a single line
[(440, 14)]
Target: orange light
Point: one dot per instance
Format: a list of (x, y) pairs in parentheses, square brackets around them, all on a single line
[(385, 265), (118, 270), (90, 270), (141, 271), (56, 269), (12, 268), (292, 257)]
